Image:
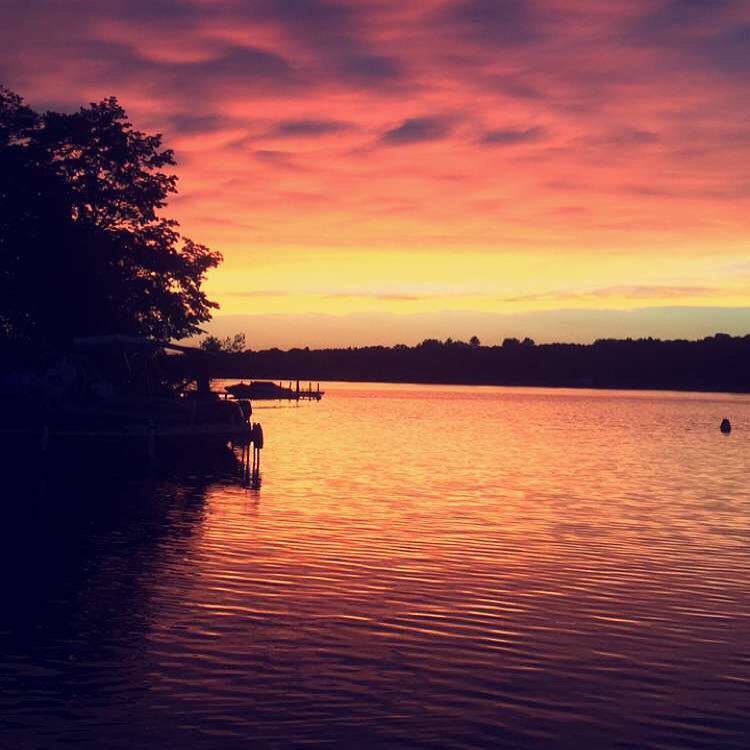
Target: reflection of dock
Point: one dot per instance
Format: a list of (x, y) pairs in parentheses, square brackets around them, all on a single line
[(265, 390)]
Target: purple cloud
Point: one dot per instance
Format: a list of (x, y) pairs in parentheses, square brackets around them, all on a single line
[(417, 130)]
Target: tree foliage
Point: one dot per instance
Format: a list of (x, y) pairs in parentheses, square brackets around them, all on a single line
[(230, 345), (84, 248)]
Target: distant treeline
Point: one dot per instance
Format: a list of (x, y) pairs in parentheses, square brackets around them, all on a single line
[(716, 363)]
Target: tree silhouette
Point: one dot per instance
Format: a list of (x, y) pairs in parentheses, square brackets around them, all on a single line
[(83, 247), (230, 345), (715, 363)]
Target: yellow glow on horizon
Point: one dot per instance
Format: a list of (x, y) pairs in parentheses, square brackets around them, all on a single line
[(321, 281)]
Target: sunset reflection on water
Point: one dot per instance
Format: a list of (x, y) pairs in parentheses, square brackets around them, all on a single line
[(423, 566)]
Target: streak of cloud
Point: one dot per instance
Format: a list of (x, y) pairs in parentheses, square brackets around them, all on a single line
[(417, 130), (511, 137), (628, 291)]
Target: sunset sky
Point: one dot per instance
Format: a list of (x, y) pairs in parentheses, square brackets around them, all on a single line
[(378, 171)]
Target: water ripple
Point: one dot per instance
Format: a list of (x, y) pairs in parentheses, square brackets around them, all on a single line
[(422, 568)]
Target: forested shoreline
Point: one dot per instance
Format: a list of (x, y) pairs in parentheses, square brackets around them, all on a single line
[(716, 363)]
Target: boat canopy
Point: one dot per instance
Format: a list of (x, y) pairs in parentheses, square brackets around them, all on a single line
[(124, 341)]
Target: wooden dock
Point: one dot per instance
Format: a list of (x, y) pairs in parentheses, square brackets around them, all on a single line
[(309, 394), (266, 390)]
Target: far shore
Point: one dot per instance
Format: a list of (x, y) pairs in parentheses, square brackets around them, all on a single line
[(715, 364)]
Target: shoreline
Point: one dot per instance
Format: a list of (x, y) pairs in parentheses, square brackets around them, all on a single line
[(484, 384)]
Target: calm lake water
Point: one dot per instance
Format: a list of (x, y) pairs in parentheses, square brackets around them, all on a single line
[(422, 567)]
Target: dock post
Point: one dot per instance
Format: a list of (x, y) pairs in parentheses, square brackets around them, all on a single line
[(246, 460)]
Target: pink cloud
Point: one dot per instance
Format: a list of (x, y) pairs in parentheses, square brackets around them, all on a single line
[(543, 125)]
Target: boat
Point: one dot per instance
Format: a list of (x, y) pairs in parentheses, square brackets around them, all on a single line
[(258, 390), (112, 395), (265, 390)]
